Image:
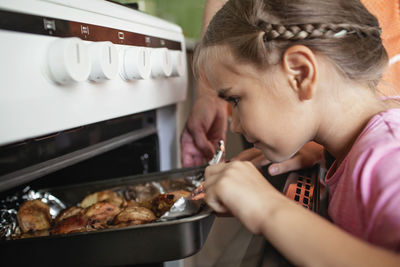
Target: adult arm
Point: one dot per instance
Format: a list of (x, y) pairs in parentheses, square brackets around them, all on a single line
[(207, 122), (309, 155)]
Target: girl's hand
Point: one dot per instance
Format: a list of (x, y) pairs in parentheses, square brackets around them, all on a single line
[(239, 188), (309, 155)]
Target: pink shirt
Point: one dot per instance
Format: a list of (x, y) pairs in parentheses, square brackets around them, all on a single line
[(364, 191)]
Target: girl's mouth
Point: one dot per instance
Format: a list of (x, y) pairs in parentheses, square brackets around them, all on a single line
[(256, 143)]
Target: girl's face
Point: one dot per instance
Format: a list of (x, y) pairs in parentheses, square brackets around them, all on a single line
[(265, 109)]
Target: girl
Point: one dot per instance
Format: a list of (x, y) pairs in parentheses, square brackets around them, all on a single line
[(296, 71)]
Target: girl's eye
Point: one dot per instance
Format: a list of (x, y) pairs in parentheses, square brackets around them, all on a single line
[(233, 100)]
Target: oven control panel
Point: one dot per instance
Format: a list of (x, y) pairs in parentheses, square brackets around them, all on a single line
[(65, 64)]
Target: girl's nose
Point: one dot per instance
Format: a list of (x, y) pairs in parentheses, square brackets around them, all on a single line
[(235, 124)]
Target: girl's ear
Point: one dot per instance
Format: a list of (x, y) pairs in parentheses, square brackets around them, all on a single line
[(300, 67)]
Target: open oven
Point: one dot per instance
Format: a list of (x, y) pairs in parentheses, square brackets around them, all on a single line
[(88, 102)]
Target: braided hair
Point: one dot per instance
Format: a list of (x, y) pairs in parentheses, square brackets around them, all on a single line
[(311, 31), (260, 31)]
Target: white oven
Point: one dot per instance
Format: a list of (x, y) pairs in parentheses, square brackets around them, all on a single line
[(67, 64), (89, 90)]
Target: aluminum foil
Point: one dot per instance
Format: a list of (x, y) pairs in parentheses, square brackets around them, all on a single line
[(183, 207), (10, 205), (139, 192)]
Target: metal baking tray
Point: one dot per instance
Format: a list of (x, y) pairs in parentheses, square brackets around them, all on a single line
[(140, 244)]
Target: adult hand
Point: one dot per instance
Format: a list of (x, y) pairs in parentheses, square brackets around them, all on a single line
[(309, 155), (254, 155), (207, 124)]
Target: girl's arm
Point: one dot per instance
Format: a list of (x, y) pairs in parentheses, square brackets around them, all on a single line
[(307, 239), (303, 237)]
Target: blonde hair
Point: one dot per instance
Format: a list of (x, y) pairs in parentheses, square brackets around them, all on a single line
[(260, 31)]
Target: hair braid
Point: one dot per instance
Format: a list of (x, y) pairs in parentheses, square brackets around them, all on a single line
[(312, 31)]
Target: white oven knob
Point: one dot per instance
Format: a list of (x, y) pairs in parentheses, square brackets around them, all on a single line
[(178, 65), (136, 63), (105, 61), (69, 60), (161, 63)]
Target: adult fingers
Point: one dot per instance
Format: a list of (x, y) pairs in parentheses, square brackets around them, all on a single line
[(247, 154), (260, 161), (202, 143), (190, 155), (294, 163), (310, 154), (254, 155)]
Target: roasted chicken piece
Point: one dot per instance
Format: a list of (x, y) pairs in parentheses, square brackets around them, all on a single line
[(75, 223), (107, 195), (163, 202), (133, 215), (34, 215), (70, 220), (160, 204), (101, 214), (132, 203), (68, 212)]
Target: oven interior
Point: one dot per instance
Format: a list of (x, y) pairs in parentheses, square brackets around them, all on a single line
[(104, 150)]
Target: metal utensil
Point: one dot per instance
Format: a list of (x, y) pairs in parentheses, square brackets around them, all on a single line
[(198, 193), (218, 154), (192, 204)]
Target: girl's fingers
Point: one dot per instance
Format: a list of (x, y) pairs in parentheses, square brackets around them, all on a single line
[(199, 196), (215, 204), (213, 174), (225, 186), (214, 169)]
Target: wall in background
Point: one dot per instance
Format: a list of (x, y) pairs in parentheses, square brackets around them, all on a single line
[(186, 13)]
